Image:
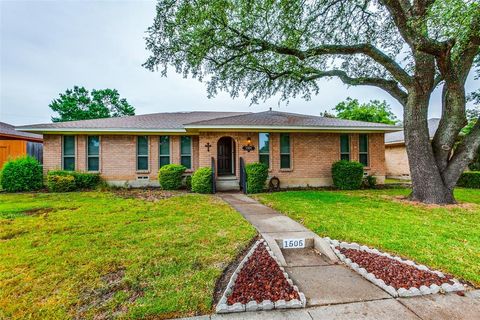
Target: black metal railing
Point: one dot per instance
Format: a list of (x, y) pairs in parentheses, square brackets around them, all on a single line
[(214, 185), (243, 176)]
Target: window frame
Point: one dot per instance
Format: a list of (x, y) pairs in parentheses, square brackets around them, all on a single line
[(360, 152), (260, 153), (349, 152), (187, 155), (160, 155), (94, 156), (142, 155), (74, 156), (284, 153)]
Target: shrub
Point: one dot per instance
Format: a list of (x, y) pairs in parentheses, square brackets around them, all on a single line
[(86, 180), (257, 174), (371, 181), (469, 179), (81, 180), (188, 182), (21, 174), (347, 175), (202, 180), (170, 176), (61, 183)]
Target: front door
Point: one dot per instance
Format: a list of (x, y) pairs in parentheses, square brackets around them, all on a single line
[(225, 156)]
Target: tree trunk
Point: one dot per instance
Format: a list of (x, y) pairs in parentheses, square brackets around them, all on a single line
[(427, 182)]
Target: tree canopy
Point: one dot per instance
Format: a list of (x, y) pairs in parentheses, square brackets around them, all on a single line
[(373, 111), (79, 104), (408, 48)]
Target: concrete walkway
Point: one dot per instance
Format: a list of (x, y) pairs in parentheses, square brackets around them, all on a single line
[(434, 307), (334, 291)]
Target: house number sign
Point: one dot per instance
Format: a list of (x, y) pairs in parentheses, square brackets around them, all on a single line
[(293, 243)]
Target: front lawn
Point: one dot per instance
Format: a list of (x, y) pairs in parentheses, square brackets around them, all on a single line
[(98, 255), (445, 238)]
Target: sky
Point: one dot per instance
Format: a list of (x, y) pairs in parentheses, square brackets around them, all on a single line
[(47, 47)]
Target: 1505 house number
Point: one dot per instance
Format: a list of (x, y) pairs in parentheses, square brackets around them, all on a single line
[(293, 243)]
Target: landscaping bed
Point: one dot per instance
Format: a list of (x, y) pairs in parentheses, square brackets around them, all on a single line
[(259, 283), (398, 277)]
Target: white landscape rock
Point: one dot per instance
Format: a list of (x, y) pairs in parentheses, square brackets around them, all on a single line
[(402, 292), (223, 307)]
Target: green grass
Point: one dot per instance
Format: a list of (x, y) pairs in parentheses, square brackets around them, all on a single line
[(94, 255), (445, 238)]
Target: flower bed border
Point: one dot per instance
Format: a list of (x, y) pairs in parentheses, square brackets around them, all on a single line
[(223, 307), (401, 292)]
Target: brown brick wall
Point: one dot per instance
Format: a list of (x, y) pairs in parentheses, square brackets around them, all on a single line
[(396, 162), (312, 155)]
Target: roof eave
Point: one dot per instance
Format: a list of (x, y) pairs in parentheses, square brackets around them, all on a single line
[(290, 128), (100, 130)]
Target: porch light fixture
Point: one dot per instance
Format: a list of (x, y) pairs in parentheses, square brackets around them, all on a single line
[(249, 146)]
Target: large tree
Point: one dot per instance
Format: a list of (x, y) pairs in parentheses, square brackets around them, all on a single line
[(372, 111), (79, 104), (405, 47)]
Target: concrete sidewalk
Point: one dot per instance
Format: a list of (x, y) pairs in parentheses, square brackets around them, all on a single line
[(433, 307), (334, 291)]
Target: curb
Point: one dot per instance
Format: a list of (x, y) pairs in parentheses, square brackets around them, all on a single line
[(401, 292), (223, 307)]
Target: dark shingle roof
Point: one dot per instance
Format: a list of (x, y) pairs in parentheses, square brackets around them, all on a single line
[(398, 137), (179, 121), (285, 119), (168, 120), (9, 130)]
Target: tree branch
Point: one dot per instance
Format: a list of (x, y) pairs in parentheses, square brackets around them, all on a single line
[(390, 86), (364, 48), (463, 155)]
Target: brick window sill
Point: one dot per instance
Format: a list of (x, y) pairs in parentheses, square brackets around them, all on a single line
[(286, 170), (142, 171)]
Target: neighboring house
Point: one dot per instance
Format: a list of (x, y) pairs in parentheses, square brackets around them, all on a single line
[(396, 154), (299, 149), (14, 144)]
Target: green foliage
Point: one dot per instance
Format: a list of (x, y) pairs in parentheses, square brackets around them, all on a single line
[(373, 111), (61, 183), (79, 104), (64, 181), (188, 182), (371, 181), (347, 175), (21, 174), (170, 176), (257, 174), (202, 180), (470, 179)]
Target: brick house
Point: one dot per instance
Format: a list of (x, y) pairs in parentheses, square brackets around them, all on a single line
[(396, 158), (299, 149)]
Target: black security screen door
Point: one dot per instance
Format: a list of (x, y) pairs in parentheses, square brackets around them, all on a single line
[(225, 156)]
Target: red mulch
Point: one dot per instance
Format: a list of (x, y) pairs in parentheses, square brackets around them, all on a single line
[(261, 279), (392, 272)]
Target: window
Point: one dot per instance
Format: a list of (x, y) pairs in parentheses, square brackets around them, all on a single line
[(186, 151), (142, 153), (93, 152), (264, 148), (68, 153), (363, 149), (284, 151), (345, 147), (164, 150)]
